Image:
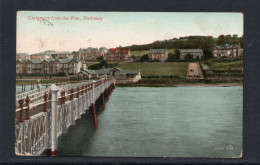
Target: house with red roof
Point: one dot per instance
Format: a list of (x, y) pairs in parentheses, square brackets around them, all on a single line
[(118, 54)]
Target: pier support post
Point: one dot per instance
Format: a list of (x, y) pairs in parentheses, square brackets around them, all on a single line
[(45, 101), (27, 100), (103, 100), (94, 107), (71, 94), (107, 95), (21, 111), (77, 92), (54, 103)]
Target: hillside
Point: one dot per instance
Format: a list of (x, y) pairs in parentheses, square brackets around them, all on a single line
[(223, 63), (158, 69)]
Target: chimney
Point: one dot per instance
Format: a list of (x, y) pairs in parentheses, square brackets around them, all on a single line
[(103, 67), (139, 68)]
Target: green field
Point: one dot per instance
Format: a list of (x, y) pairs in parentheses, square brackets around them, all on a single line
[(140, 53), (223, 63), (158, 69)]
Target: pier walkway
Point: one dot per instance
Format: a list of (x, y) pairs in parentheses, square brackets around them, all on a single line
[(43, 115)]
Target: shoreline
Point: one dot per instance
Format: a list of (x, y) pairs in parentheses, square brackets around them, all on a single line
[(218, 84), (180, 85)]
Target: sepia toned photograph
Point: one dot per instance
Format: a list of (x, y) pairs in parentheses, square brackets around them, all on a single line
[(129, 84)]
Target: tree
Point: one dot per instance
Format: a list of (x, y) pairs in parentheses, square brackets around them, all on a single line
[(207, 53), (171, 57), (221, 40), (74, 53), (81, 68), (177, 54), (101, 58), (144, 58), (188, 57)]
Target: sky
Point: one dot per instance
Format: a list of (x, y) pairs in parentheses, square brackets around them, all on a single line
[(116, 28)]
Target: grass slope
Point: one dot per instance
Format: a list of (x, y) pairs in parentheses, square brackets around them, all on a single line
[(223, 63), (158, 69)]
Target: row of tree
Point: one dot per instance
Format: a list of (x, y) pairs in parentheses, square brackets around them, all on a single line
[(205, 43), (191, 42)]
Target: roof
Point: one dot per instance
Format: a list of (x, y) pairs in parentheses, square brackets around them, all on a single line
[(36, 61), (21, 54), (157, 51), (226, 46), (119, 50), (65, 61), (89, 49), (101, 71), (116, 68), (102, 48), (88, 71), (49, 51), (21, 61), (191, 51), (206, 67), (41, 53), (125, 72), (66, 52)]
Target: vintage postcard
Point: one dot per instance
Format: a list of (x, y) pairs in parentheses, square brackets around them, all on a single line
[(129, 84)]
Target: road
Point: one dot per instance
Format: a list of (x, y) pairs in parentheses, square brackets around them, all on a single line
[(194, 71)]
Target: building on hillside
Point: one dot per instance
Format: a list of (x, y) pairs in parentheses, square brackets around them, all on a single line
[(87, 74), (115, 71), (40, 56), (129, 76), (102, 73), (20, 66), (158, 54), (118, 54), (63, 55), (88, 54), (49, 52), (22, 56), (227, 51), (195, 53), (32, 66), (103, 51), (68, 66)]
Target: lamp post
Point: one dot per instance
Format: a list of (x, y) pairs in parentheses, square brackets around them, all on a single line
[(54, 102)]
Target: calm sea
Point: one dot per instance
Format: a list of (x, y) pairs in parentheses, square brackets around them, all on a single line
[(159, 122)]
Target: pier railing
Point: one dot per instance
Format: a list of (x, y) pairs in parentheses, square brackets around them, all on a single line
[(40, 131)]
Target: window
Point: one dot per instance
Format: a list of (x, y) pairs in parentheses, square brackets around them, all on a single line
[(17, 65), (29, 65)]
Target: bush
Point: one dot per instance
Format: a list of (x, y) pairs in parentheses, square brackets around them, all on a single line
[(74, 78), (101, 64), (62, 74)]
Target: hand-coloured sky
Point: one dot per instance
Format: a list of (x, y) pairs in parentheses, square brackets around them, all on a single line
[(117, 28)]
